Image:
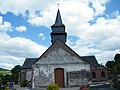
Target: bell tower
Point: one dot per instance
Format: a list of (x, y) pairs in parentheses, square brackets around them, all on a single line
[(58, 29)]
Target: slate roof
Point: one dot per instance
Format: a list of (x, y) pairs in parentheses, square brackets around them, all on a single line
[(58, 21), (91, 59), (28, 62)]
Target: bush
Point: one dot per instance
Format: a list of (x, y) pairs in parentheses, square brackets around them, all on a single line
[(24, 83), (53, 87), (0, 83), (7, 88)]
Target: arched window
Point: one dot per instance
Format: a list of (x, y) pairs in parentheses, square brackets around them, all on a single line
[(103, 74), (93, 75)]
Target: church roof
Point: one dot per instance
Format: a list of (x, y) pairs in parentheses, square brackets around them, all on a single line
[(91, 59), (58, 21), (59, 44), (55, 46), (28, 62)]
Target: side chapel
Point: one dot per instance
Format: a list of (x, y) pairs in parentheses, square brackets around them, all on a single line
[(60, 64)]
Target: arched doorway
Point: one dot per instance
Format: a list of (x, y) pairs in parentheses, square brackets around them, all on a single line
[(59, 77)]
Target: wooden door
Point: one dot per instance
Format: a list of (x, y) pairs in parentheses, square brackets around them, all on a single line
[(59, 77)]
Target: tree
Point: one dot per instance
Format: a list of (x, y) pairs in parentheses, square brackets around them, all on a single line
[(15, 71), (117, 58), (0, 83), (117, 61), (110, 64), (6, 78), (114, 66), (118, 68)]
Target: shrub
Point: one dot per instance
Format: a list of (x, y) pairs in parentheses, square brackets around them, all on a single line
[(53, 87), (7, 88), (0, 83), (24, 83)]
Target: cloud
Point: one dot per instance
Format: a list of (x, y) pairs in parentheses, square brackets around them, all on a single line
[(42, 36), (106, 56), (5, 26), (21, 28), (6, 66), (1, 20), (100, 39), (99, 6), (48, 10), (15, 50), (45, 17), (21, 47), (97, 32), (21, 6), (103, 33)]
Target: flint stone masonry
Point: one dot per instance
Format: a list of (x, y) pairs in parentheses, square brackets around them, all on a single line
[(44, 68), (59, 56), (76, 78)]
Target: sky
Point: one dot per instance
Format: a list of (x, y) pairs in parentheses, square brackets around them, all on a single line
[(92, 26)]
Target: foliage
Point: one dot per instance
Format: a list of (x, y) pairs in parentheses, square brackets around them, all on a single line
[(6, 79), (118, 68), (7, 88), (14, 78), (15, 71), (117, 58), (53, 87), (114, 66), (4, 72), (9, 78), (110, 64), (0, 82), (1, 69), (24, 83)]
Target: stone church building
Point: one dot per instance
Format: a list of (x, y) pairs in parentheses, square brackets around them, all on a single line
[(60, 64)]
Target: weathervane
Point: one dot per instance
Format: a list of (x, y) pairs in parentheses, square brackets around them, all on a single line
[(58, 3)]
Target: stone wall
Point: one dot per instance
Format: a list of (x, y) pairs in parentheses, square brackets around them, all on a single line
[(43, 73), (25, 74), (77, 78)]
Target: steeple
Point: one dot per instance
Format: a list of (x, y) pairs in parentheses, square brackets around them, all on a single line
[(58, 21), (58, 29)]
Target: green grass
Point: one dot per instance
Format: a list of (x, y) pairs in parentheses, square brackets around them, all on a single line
[(4, 71), (1, 69)]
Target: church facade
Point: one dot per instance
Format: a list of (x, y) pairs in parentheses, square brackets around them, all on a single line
[(59, 63)]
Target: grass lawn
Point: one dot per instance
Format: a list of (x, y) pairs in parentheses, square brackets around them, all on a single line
[(5, 72)]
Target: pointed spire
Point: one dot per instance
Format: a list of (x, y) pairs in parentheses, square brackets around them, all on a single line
[(58, 21), (58, 29)]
